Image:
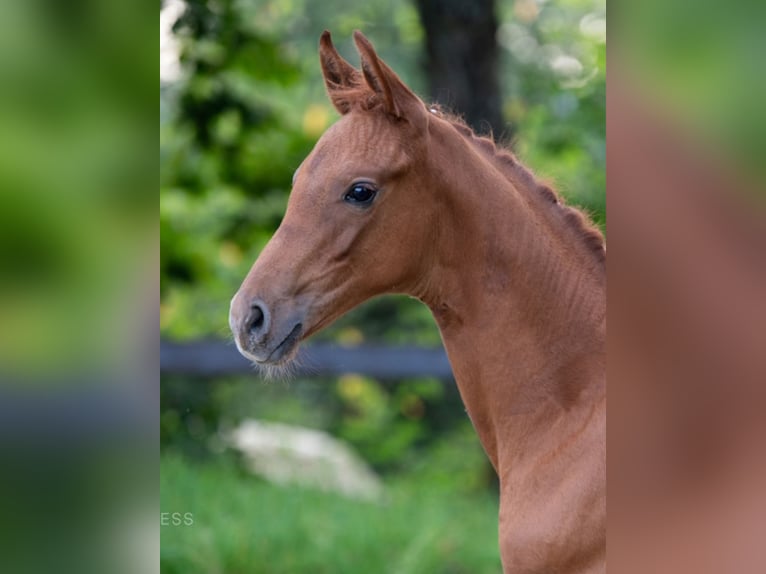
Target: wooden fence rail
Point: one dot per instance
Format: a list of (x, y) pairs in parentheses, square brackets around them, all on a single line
[(207, 359)]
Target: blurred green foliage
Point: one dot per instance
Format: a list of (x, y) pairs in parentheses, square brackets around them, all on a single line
[(76, 181), (415, 427)]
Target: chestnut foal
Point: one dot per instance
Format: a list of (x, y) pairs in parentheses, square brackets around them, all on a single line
[(400, 198)]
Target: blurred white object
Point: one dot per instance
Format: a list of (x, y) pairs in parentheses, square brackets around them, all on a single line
[(287, 454), (170, 63)]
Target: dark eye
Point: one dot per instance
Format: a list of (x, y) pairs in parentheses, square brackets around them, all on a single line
[(360, 193)]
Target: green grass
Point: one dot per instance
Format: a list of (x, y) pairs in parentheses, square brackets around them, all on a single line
[(244, 525)]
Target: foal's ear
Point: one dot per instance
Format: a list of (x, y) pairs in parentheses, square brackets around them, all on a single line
[(398, 100), (340, 77)]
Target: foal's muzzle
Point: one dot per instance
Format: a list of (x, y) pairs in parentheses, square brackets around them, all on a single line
[(257, 335)]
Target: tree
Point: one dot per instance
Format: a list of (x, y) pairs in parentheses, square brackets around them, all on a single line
[(462, 59)]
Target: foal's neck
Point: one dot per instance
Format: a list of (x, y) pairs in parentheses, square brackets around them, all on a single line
[(519, 303)]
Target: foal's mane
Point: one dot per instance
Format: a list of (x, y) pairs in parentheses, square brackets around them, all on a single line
[(512, 169)]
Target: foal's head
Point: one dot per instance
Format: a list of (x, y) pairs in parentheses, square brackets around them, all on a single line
[(358, 220)]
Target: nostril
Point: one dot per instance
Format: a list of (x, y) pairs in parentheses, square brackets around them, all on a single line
[(257, 318)]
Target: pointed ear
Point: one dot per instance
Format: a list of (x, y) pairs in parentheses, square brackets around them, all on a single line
[(340, 77), (398, 100)]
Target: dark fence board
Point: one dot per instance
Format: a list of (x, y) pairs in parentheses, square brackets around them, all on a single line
[(207, 359)]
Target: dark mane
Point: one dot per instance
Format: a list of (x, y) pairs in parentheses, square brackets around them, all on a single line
[(509, 166)]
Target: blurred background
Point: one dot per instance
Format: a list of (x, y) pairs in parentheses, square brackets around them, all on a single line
[(252, 479)]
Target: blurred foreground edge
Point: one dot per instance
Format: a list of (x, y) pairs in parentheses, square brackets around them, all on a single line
[(207, 359), (687, 334)]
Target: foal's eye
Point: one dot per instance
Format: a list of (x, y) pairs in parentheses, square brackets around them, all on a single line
[(361, 194)]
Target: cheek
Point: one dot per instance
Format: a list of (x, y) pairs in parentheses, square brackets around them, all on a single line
[(393, 248), (340, 242)]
